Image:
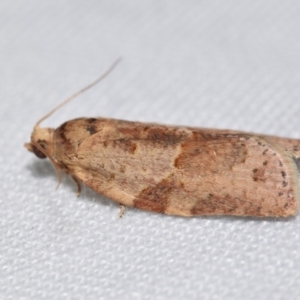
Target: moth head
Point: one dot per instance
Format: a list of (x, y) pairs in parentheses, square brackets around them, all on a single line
[(42, 138), (41, 142)]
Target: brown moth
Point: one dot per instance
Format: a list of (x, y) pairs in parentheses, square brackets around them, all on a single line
[(175, 170)]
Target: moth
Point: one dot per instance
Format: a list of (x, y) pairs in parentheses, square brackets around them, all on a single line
[(182, 171)]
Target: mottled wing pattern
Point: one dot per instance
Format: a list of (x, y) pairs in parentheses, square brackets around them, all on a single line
[(186, 171)]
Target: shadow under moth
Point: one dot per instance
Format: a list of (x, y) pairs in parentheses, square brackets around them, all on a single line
[(174, 170)]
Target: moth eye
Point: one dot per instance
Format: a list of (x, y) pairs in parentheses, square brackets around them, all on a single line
[(38, 152)]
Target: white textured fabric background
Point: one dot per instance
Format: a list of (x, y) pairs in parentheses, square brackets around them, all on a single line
[(225, 64)]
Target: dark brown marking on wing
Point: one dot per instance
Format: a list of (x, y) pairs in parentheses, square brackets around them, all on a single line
[(155, 198), (91, 129), (165, 136), (132, 148), (131, 132), (62, 131), (157, 135), (258, 174), (91, 120), (205, 153), (127, 145), (284, 183), (112, 177), (212, 204), (227, 205)]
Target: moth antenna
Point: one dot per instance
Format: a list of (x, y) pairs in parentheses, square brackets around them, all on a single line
[(79, 92), (58, 172)]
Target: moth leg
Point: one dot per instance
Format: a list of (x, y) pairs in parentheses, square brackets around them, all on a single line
[(122, 211), (77, 181)]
